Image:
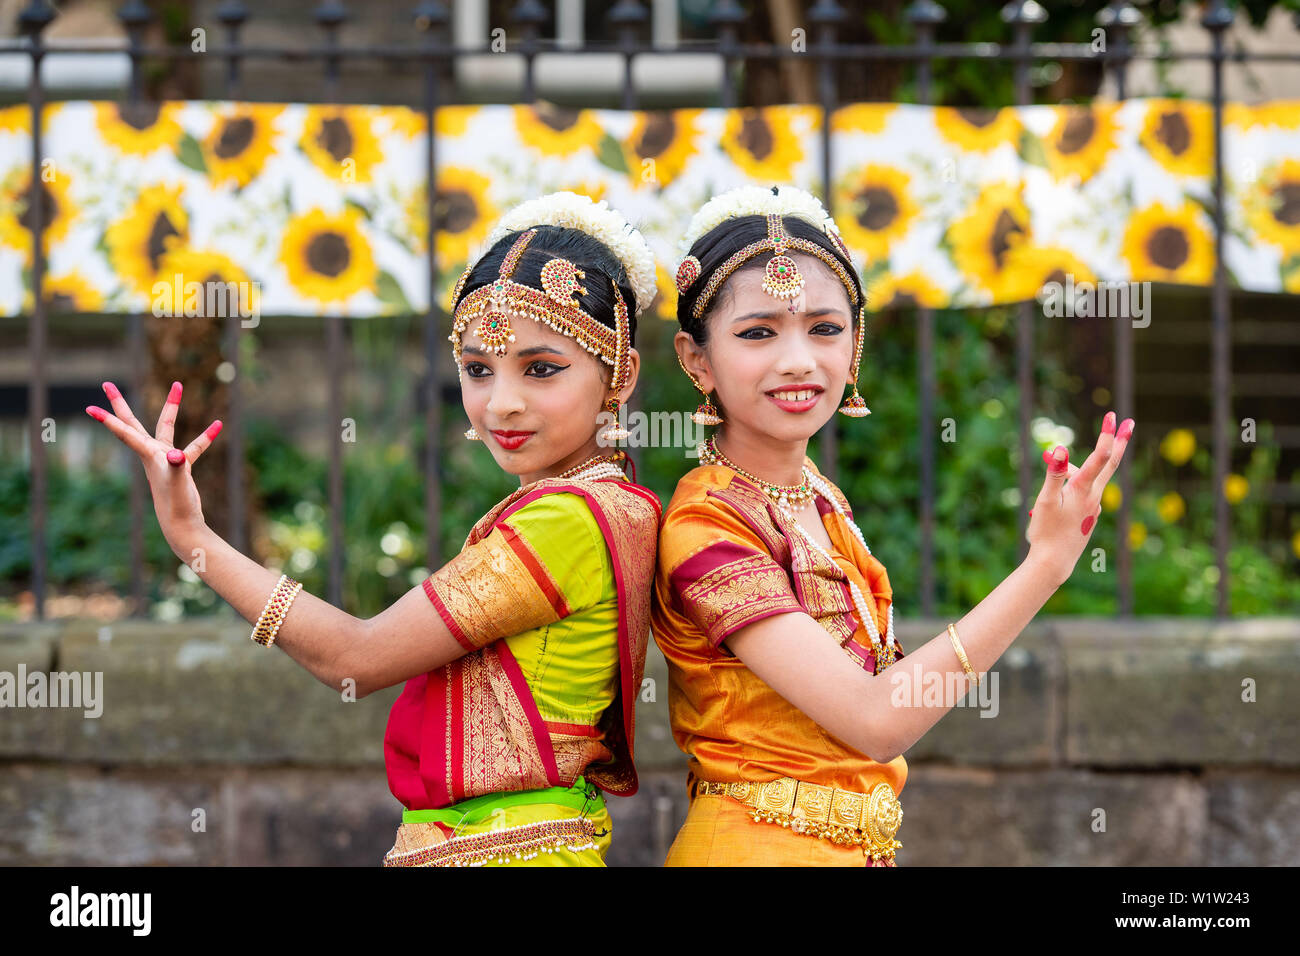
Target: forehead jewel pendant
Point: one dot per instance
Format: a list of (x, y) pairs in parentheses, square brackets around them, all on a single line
[(781, 277), (494, 328)]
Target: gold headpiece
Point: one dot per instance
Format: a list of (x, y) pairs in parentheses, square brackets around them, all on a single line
[(781, 277), (553, 304)]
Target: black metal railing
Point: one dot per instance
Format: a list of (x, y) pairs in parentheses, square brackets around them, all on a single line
[(627, 20)]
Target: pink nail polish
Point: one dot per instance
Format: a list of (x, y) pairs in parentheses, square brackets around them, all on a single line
[(1031, 512), (174, 395), (1047, 455), (175, 456), (1108, 424), (213, 430), (95, 412), (1061, 463), (1087, 524), (111, 391), (1125, 429)]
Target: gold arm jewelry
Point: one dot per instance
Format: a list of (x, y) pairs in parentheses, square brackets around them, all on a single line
[(277, 606), (781, 277), (496, 303), (961, 654)]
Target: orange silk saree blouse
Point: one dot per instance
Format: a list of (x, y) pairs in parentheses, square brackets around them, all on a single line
[(729, 557)]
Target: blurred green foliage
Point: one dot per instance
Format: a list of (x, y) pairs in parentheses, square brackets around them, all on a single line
[(976, 498)]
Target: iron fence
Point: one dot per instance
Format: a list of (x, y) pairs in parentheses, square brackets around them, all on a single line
[(627, 20)]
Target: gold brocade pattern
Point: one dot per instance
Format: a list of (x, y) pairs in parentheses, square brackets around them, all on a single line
[(490, 592), (425, 844), (498, 749), (632, 524), (574, 753), (741, 590)]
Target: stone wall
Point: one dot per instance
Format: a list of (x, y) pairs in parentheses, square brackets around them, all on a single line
[(1143, 720)]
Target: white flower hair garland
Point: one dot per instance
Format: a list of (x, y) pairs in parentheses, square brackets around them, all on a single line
[(760, 201), (597, 220)]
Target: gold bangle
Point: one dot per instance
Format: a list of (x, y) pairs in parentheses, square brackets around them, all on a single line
[(961, 654), (277, 606)]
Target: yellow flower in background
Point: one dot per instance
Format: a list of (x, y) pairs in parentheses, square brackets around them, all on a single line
[(1179, 135), (763, 143), (138, 129), (239, 143), (1273, 206), (1178, 446), (1169, 245), (862, 117), (221, 283), (463, 209), (1111, 498), (17, 212), (1029, 268), (68, 293), (1081, 140), (666, 137), (1283, 113), (327, 256), (340, 142), (556, 130), (155, 223), (666, 301), (889, 291), (1171, 507), (875, 208), (404, 121), (978, 130), (1137, 535), (1235, 487), (1295, 544), (995, 224), (14, 119)]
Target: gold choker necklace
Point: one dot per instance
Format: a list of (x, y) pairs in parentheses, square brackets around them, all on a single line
[(791, 499)]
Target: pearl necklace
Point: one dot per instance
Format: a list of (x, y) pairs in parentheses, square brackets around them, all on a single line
[(887, 652), (596, 467), (791, 499)]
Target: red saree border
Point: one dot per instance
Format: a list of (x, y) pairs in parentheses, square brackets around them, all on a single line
[(621, 778), (520, 546), (447, 618)]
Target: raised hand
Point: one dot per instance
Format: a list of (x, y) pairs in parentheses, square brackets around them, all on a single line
[(1069, 503), (175, 496)]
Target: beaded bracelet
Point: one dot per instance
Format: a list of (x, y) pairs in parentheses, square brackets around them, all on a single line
[(961, 654), (277, 606)]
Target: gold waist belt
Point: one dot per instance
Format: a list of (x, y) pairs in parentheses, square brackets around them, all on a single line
[(869, 820)]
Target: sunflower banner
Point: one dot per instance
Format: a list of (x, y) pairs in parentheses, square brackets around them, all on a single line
[(323, 209)]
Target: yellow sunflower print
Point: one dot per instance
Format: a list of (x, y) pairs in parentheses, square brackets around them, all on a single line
[(327, 257), (978, 130), (556, 130), (1081, 140), (888, 291), (1030, 267), (996, 223), (1169, 245), (1179, 135), (402, 120), (1282, 113), (155, 223), (203, 284), (667, 138), (1273, 206), (138, 129), (68, 293), (593, 191), (464, 212), (239, 143), (665, 304), (14, 119), (16, 211), (862, 117), (877, 208), (340, 142), (763, 143)]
